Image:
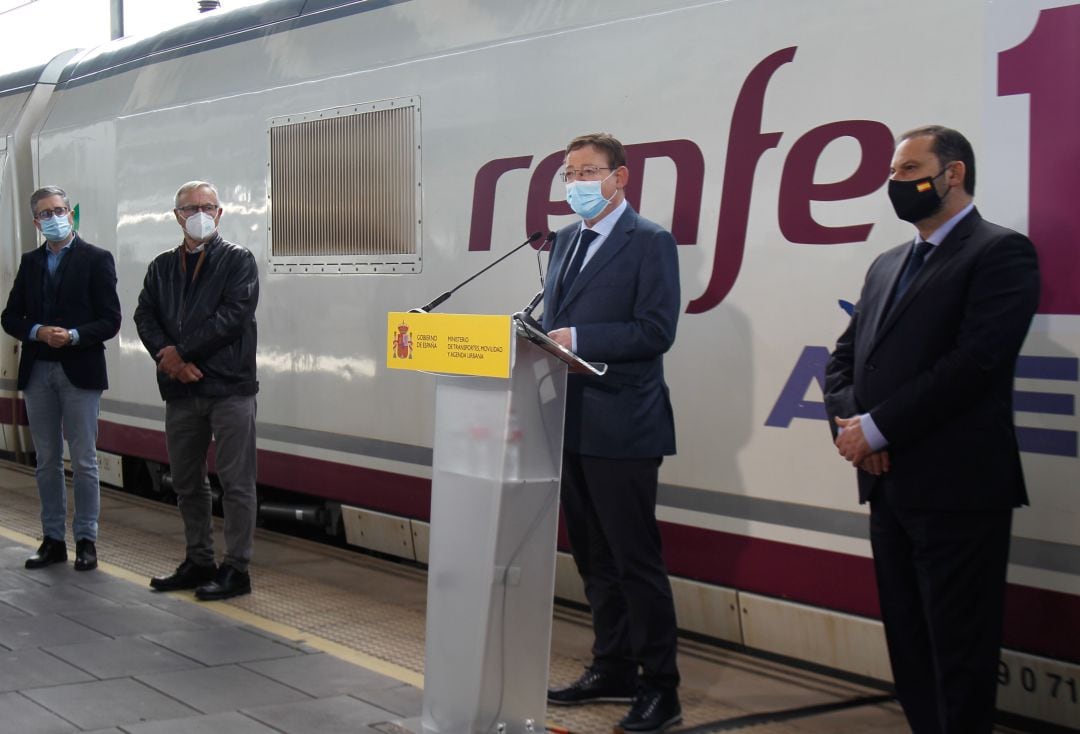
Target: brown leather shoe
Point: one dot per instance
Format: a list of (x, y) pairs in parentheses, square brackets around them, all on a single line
[(49, 552)]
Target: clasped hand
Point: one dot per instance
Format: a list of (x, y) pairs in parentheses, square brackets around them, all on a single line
[(54, 336), (852, 444), (170, 362)]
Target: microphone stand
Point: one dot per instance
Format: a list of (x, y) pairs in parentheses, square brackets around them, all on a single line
[(525, 314), (442, 298)]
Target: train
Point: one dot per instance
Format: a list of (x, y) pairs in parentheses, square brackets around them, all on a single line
[(374, 153)]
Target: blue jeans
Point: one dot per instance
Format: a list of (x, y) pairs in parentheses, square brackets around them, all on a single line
[(57, 408)]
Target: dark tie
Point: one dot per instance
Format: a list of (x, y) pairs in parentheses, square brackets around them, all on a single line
[(918, 257), (586, 239)]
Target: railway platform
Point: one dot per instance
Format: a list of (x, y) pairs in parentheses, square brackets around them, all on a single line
[(329, 641)]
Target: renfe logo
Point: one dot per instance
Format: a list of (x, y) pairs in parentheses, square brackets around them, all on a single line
[(1045, 66), (746, 144)]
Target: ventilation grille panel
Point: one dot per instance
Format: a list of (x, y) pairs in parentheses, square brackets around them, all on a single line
[(344, 189)]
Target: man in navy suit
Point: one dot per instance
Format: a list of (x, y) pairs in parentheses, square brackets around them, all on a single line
[(613, 296), (919, 390), (63, 307)]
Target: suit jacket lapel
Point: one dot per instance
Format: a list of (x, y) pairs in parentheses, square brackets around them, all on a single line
[(36, 283), (889, 276), (609, 248), (42, 257), (933, 265), (560, 251)]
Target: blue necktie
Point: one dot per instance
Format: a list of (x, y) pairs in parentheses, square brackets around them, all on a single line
[(586, 239), (914, 263)]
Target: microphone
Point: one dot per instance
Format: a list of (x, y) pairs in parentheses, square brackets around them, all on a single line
[(533, 304), (442, 298), (525, 315)]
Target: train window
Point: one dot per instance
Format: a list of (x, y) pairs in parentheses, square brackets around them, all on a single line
[(344, 189)]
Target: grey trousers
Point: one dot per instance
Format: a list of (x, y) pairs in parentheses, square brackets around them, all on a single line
[(189, 425)]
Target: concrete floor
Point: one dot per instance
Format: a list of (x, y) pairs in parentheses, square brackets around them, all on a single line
[(346, 636)]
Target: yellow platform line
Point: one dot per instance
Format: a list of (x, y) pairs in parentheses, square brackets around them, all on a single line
[(19, 537), (363, 660)]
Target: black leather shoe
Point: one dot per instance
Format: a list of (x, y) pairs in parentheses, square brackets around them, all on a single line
[(228, 583), (85, 555), (49, 552), (593, 686), (652, 712), (188, 575)]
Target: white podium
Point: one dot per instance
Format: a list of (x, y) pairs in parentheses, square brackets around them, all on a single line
[(494, 519)]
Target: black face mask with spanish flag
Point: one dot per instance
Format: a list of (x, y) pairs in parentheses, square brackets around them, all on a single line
[(916, 200)]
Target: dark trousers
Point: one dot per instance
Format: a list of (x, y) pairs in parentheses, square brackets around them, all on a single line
[(190, 423), (610, 509), (941, 582)]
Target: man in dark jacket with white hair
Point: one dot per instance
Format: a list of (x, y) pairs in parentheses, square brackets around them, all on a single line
[(196, 318)]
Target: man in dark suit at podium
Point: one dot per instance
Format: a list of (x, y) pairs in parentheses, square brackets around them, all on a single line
[(612, 296), (919, 390)]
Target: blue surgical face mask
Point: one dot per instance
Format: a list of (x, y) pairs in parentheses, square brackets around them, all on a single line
[(585, 197), (56, 229)]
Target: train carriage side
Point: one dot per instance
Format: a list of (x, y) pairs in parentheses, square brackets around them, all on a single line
[(373, 154)]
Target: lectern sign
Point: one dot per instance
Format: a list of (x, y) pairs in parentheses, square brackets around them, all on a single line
[(496, 460), (457, 344)]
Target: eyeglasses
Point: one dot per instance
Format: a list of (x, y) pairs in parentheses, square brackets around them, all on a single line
[(44, 214), (189, 209), (587, 173)]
